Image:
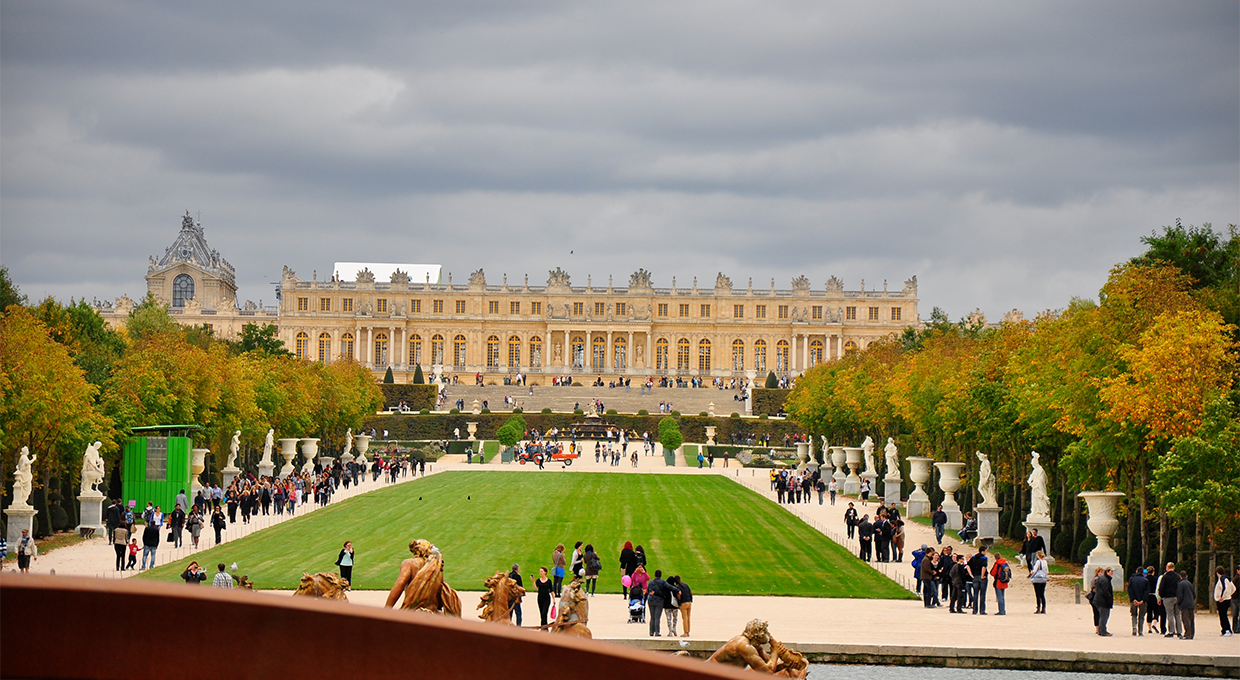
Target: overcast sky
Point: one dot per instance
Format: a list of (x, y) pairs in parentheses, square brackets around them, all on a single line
[(1008, 154)]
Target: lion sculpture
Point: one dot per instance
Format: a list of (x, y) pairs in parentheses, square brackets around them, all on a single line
[(324, 584), (496, 603)]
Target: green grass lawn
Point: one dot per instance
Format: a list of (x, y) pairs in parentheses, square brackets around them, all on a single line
[(720, 537)]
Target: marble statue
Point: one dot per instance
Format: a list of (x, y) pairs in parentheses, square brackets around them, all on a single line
[(502, 593), (750, 650), (421, 582), (92, 470), (986, 480), (1039, 502), (825, 446), (348, 442), (267, 446), (867, 447), (893, 458), (233, 448), (23, 479)]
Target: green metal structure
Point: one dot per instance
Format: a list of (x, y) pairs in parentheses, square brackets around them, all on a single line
[(156, 465)]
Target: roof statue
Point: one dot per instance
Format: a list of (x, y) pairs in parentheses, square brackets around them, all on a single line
[(400, 276), (559, 277), (477, 279), (800, 283), (364, 275), (910, 286), (288, 273), (722, 282), (1014, 316), (835, 285), (640, 279)]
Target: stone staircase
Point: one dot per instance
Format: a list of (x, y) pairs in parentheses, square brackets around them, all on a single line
[(688, 401)]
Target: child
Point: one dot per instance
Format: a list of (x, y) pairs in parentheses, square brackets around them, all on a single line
[(133, 554)]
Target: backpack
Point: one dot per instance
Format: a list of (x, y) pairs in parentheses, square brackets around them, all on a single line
[(1005, 573), (594, 563)]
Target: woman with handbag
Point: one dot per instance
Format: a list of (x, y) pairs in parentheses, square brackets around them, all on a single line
[(1038, 576)]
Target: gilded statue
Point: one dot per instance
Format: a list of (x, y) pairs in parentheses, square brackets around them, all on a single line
[(421, 582), (496, 603), (325, 585), (750, 650), (573, 611)]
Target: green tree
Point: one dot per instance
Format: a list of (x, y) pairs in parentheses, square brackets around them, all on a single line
[(1201, 253), (149, 317), (669, 434), (264, 338), (10, 294), (94, 346)]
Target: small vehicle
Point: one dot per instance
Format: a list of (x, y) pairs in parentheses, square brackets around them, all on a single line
[(549, 453)]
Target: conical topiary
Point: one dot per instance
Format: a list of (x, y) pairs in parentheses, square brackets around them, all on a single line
[(771, 381), (417, 375), (387, 377)]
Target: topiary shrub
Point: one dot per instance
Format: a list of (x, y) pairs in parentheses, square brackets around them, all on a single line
[(518, 410), (675, 414), (771, 381), (669, 434), (643, 412), (455, 411), (546, 411), (60, 518), (387, 376), (735, 416), (485, 410), (704, 414), (424, 412), (1062, 543), (612, 412), (763, 417), (418, 378), (578, 412)]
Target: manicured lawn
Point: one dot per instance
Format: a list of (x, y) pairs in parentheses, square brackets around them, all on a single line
[(721, 538)]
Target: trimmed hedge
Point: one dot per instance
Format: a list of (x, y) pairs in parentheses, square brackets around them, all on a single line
[(416, 397), (767, 402)]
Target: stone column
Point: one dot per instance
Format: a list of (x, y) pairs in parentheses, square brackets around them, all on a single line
[(987, 524), (288, 449), (608, 351), (391, 357), (91, 514), (805, 352), (230, 473), (949, 482), (852, 483), (1103, 524), (20, 517), (919, 500), (197, 465)]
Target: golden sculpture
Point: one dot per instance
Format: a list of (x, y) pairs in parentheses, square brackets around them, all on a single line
[(749, 650), (245, 583), (421, 581), (497, 601), (573, 611), (324, 584)]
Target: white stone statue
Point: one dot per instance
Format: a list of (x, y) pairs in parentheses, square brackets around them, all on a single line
[(23, 479), (892, 455), (1039, 502), (986, 480), (92, 470), (348, 442), (267, 446), (867, 447), (233, 448)]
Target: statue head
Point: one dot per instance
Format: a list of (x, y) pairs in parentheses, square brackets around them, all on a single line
[(981, 456), (756, 631), (421, 547)]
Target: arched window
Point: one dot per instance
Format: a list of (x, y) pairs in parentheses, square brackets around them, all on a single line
[(759, 355), (815, 352), (325, 347), (535, 352), (381, 349), (598, 348), (415, 349), (493, 351), (437, 350), (458, 351), (660, 354), (850, 346), (303, 345), (579, 352), (620, 353), (182, 290), (514, 352), (738, 355), (704, 356), (346, 346), (682, 354), (781, 355)]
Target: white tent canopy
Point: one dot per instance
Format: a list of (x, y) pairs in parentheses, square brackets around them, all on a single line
[(418, 273)]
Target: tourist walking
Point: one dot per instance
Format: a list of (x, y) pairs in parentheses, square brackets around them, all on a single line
[(939, 520), (546, 588), (150, 544), (218, 523), (672, 609), (1039, 574), (1224, 589), (221, 580), (1186, 600), (1168, 590), (850, 520), (593, 564), (177, 523), (959, 575), (558, 562), (1002, 573), (515, 575), (656, 600), (628, 565), (865, 536), (345, 562), (26, 551), (925, 576), (685, 596), (1103, 599), (832, 489), (977, 587), (1138, 590), (194, 524)]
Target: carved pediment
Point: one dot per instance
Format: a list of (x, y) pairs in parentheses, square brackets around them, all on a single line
[(722, 282), (800, 283), (639, 279), (910, 286), (399, 276), (365, 276), (478, 279), (835, 285), (559, 278)]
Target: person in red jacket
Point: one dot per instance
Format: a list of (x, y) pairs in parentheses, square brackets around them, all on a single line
[(1002, 573)]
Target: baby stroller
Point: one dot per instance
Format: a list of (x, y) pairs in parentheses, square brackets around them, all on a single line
[(637, 605)]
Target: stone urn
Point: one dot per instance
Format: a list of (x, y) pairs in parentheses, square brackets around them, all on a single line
[(837, 461), (1103, 524), (852, 483), (802, 455), (362, 443), (949, 482), (919, 473), (477, 407), (710, 435), (197, 464), (288, 450), (309, 450), (473, 429)]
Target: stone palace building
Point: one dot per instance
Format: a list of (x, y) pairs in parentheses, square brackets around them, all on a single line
[(554, 328)]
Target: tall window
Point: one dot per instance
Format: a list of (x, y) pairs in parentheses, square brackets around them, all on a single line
[(579, 308), (460, 306), (437, 350), (492, 306), (850, 346), (381, 349), (705, 311), (619, 354), (415, 349), (738, 355), (783, 311), (815, 312), (415, 306), (815, 352), (346, 346), (873, 314), (622, 308), (663, 310), (325, 347), (895, 313), (738, 311), (303, 303), (600, 308), (535, 352), (325, 304), (437, 306), (704, 356), (579, 350), (598, 350), (660, 354), (182, 289), (381, 306), (303, 346), (682, 354), (492, 351), (850, 313), (759, 355), (514, 308), (346, 304), (536, 308), (514, 351), (684, 311), (759, 311), (781, 355), (458, 351)]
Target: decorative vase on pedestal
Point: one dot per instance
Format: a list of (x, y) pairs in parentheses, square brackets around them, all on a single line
[(309, 451), (710, 435), (288, 450), (197, 465), (802, 455), (852, 483), (363, 445), (919, 500), (837, 460), (1103, 524), (473, 429), (949, 482)]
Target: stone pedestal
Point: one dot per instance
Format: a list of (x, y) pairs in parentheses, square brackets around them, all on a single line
[(230, 473), (197, 465), (852, 483), (919, 500), (949, 482), (346, 458), (987, 524), (891, 491), (477, 407), (710, 435), (472, 427), (288, 451), (872, 478), (802, 455), (20, 517), (91, 513), (710, 409), (326, 461), (1103, 524), (1044, 525), (309, 451), (362, 442), (837, 460)]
